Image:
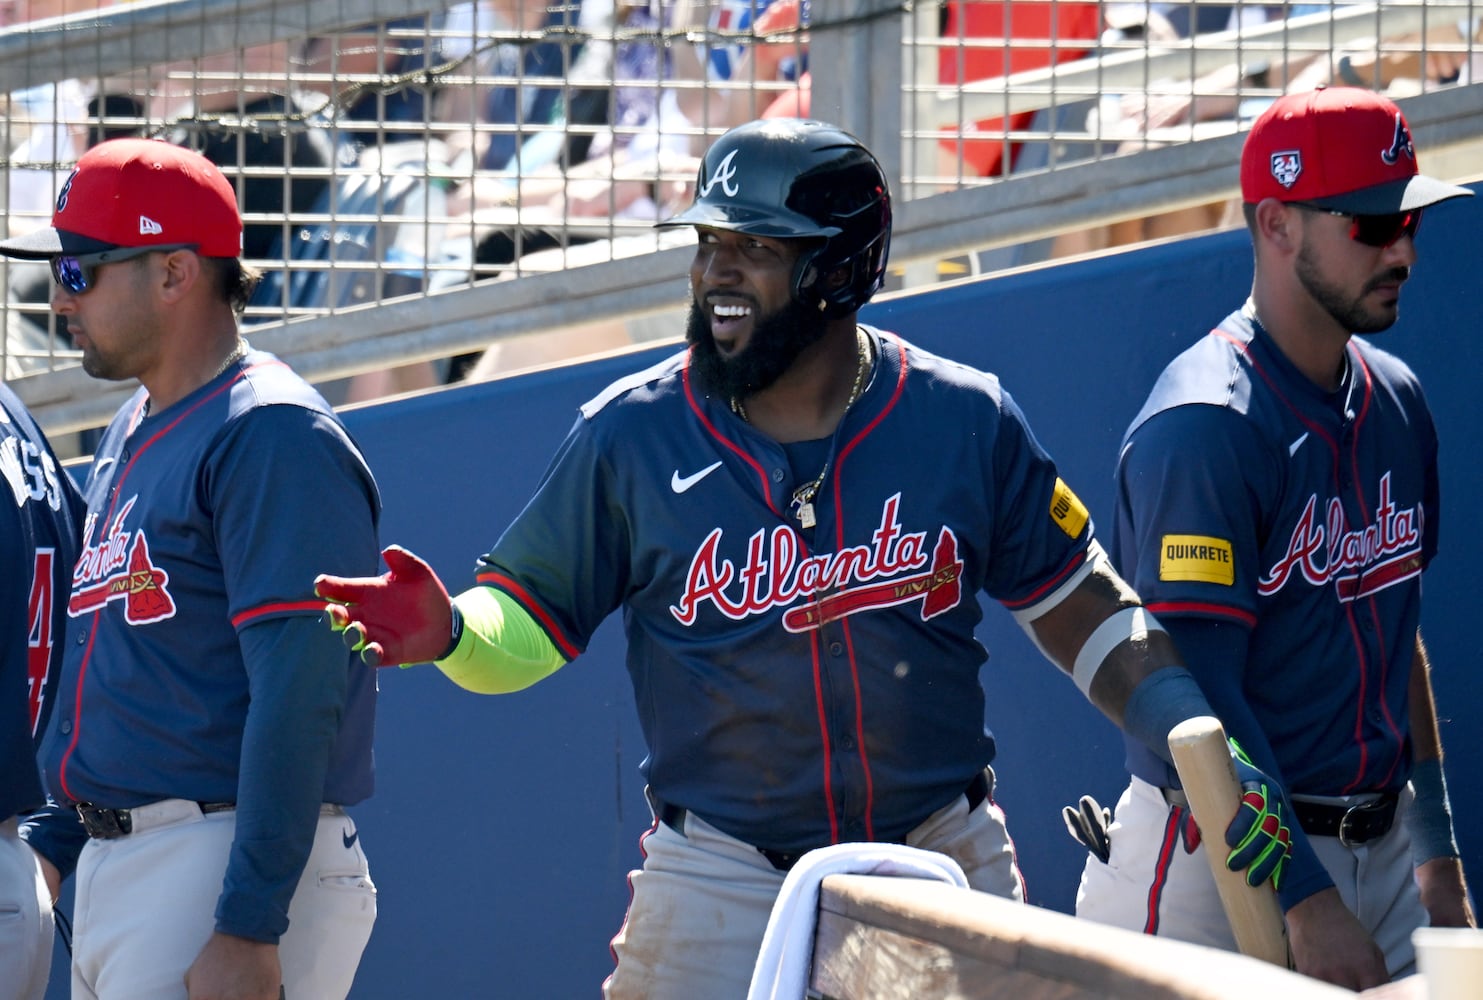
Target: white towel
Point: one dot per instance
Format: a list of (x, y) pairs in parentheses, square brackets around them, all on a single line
[(786, 955)]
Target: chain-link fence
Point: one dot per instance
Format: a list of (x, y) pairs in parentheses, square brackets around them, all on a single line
[(422, 158)]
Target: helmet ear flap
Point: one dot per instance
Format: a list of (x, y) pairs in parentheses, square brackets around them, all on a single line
[(806, 279)]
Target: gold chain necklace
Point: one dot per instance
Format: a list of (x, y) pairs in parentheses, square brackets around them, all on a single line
[(231, 359), (802, 501), (236, 355)]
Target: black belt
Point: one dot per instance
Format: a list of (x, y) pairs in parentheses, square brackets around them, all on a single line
[(1357, 824), (674, 818), (109, 824)]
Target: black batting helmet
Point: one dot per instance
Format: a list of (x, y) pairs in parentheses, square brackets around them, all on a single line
[(789, 178)]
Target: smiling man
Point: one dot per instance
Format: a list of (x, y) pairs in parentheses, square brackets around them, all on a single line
[(799, 592)]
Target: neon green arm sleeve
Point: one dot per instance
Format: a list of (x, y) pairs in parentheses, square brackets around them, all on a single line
[(502, 649)]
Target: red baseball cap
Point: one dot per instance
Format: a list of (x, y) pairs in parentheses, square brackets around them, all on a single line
[(1343, 148), (138, 193)]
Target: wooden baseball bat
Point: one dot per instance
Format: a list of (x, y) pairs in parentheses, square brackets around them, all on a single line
[(1203, 759)]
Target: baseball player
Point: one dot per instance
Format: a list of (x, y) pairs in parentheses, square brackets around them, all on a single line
[(799, 574), (205, 731), (1276, 506), (39, 529)]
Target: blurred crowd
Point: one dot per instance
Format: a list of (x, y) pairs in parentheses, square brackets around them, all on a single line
[(499, 136)]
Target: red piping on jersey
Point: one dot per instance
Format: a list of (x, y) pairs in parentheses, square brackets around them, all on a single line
[(1358, 782), (77, 711), (824, 738), (568, 648), (276, 607), (838, 490), (1161, 869), (766, 493), (123, 474), (1245, 349), (1359, 649), (1204, 609), (1071, 566), (731, 445), (1363, 372)]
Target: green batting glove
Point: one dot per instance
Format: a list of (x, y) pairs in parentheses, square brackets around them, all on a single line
[(1258, 836)]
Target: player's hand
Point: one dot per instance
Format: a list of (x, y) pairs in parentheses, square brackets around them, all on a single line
[(1329, 943), (1258, 836), (234, 968), (402, 616), (1444, 893)]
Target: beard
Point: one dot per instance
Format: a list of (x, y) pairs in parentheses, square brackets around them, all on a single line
[(776, 342), (1350, 313)]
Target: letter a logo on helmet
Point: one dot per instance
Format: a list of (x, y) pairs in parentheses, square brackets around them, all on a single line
[(725, 175), (807, 181)]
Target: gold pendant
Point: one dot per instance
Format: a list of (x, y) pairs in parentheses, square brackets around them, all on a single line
[(806, 514)]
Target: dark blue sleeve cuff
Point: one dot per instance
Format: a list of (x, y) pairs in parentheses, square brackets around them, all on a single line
[(55, 832)]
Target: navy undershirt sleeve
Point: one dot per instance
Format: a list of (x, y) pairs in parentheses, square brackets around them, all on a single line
[(1215, 653), (297, 678), (55, 832)]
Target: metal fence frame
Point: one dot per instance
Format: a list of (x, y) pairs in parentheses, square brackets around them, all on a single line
[(881, 106)]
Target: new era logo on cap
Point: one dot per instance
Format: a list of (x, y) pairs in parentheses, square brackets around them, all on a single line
[(139, 192), (1343, 148)]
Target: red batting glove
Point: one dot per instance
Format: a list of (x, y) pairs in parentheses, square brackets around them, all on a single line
[(402, 616)]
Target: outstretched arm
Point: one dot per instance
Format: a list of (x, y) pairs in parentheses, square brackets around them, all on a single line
[(483, 640)]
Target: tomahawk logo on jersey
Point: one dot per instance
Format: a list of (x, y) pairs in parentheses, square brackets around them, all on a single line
[(119, 568)]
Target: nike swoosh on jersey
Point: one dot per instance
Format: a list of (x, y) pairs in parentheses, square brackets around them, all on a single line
[(1292, 449), (349, 838), (680, 483)]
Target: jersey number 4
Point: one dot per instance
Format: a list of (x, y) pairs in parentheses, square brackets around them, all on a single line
[(38, 664)]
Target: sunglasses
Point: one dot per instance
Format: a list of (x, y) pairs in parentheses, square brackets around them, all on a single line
[(74, 272), (1378, 231)]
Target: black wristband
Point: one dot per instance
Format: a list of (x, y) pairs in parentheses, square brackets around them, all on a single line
[(457, 630)]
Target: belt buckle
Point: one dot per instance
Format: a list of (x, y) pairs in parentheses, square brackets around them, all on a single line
[(105, 824), (1353, 814)]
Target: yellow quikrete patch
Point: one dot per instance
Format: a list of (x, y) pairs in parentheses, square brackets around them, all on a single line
[(1067, 510), (1199, 558)]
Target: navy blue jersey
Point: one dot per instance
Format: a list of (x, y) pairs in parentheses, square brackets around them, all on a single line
[(39, 537), (1246, 494), (203, 521), (799, 687)]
